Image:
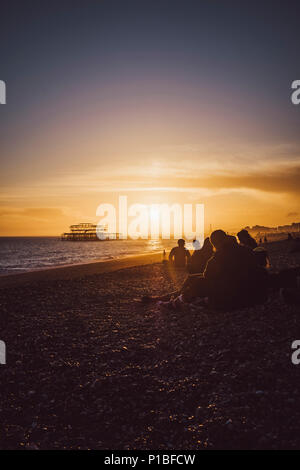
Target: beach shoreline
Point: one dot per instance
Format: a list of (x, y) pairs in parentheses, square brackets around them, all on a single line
[(78, 270)]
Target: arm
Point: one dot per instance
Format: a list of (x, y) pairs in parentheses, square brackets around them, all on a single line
[(171, 255)]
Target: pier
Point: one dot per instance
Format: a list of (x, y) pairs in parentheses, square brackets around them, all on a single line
[(88, 232)]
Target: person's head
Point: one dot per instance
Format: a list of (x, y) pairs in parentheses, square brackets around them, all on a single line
[(231, 240), (262, 257), (181, 242), (243, 236), (218, 239)]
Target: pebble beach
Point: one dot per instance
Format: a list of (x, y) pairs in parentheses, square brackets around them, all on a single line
[(90, 367)]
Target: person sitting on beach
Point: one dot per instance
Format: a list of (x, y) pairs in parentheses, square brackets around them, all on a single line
[(262, 256), (200, 257), (231, 239), (246, 239), (179, 255), (260, 252), (232, 278)]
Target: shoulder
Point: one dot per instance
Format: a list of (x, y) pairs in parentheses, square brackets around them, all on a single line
[(245, 249), (245, 252)]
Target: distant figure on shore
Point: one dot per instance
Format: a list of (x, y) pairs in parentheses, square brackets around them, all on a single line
[(290, 237), (200, 257), (265, 239), (246, 239), (179, 256)]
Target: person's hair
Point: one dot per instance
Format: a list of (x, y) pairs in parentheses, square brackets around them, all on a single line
[(262, 256), (243, 235), (181, 242), (246, 239), (218, 238), (231, 240)]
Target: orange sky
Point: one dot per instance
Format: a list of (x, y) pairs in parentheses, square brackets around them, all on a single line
[(182, 105), (69, 164), (234, 195)]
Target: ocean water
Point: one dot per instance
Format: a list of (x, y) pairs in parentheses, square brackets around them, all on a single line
[(21, 254)]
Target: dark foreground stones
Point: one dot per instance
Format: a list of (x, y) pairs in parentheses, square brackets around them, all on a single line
[(90, 367)]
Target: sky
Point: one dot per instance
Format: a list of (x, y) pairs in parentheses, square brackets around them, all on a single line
[(161, 100)]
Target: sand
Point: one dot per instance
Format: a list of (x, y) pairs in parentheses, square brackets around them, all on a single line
[(90, 367)]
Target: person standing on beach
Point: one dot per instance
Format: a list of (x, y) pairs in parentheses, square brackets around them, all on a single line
[(179, 256)]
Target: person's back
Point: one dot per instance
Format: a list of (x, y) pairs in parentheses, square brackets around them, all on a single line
[(262, 256), (179, 255), (234, 278), (200, 257)]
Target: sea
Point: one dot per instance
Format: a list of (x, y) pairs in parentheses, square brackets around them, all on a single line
[(23, 254)]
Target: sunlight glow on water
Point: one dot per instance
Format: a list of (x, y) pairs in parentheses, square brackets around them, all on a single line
[(21, 254)]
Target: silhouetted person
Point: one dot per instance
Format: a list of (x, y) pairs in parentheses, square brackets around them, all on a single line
[(246, 239), (265, 239), (290, 237), (231, 239), (233, 277), (200, 257), (262, 256), (179, 255)]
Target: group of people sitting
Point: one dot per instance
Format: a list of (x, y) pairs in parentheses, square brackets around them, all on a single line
[(226, 273), (180, 257)]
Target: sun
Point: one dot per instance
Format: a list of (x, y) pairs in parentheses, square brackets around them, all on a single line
[(155, 220), (154, 214)]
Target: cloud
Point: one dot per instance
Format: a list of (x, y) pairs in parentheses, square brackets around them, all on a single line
[(292, 214), (280, 177), (44, 213), (274, 179)]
